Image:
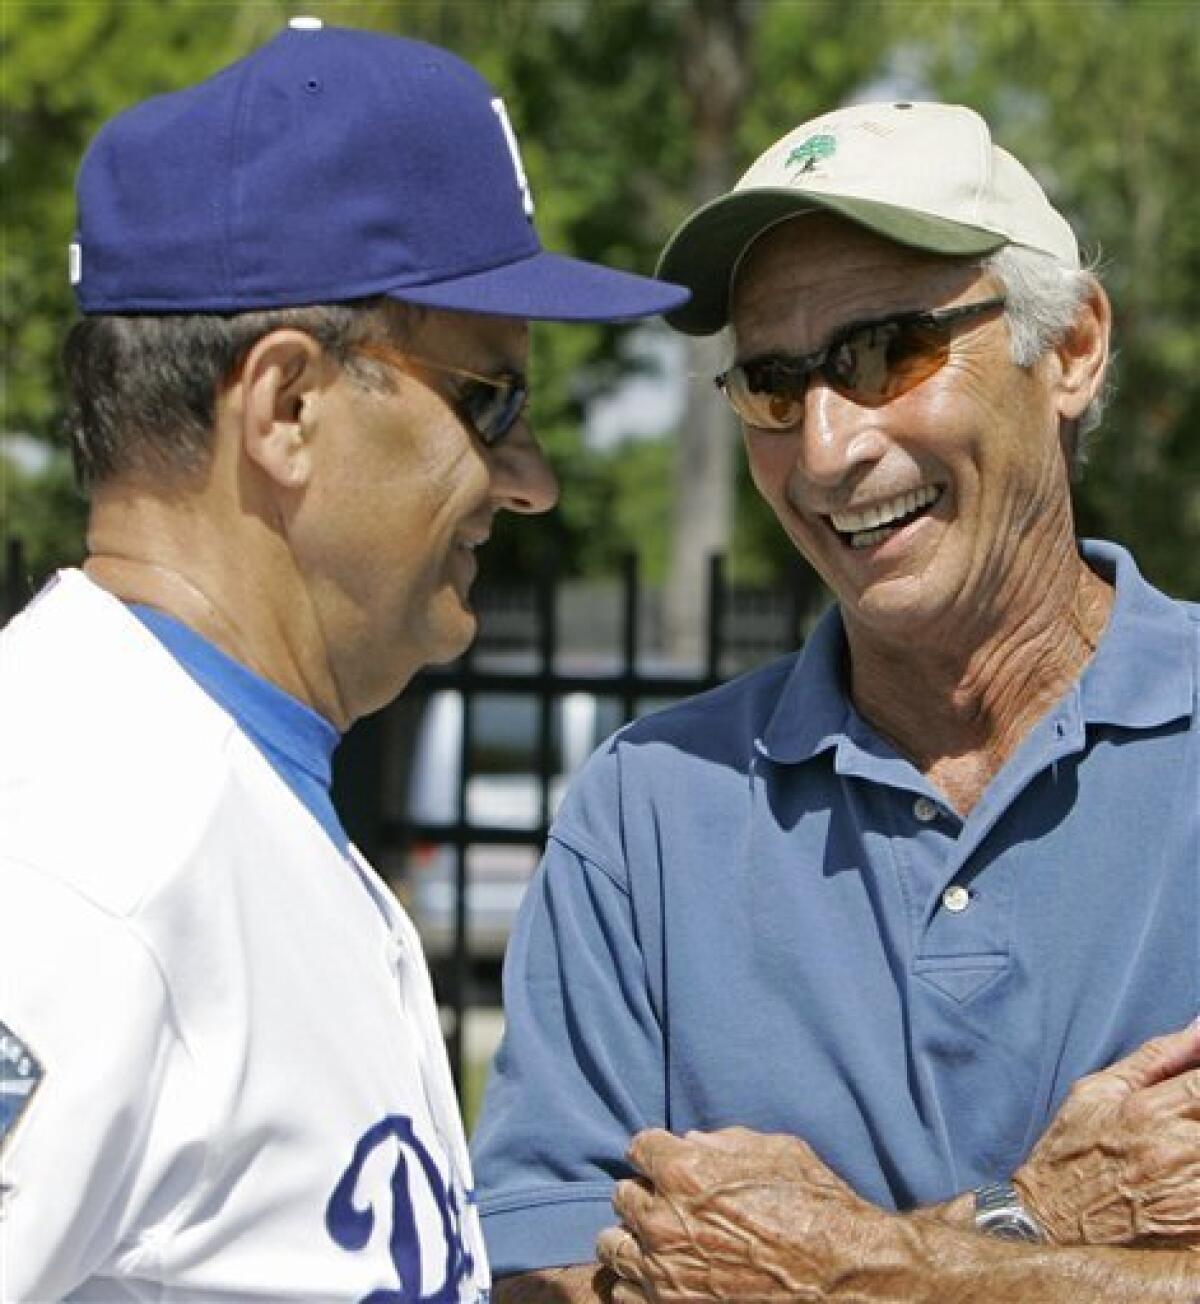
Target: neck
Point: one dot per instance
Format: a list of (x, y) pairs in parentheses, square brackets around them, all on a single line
[(960, 711), (224, 578)]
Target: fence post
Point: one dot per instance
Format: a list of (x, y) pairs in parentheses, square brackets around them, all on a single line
[(716, 608), (630, 630), (15, 587), (547, 616), (460, 959)]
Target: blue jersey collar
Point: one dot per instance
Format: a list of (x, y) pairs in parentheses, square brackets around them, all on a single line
[(296, 741)]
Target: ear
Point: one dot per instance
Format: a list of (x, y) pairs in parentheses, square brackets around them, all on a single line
[(1082, 354), (276, 397)]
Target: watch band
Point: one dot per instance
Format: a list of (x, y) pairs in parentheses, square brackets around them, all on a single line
[(1000, 1213)]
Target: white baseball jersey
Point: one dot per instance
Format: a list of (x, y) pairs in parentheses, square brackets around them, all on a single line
[(221, 1071)]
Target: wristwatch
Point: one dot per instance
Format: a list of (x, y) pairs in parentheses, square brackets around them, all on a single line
[(999, 1212)]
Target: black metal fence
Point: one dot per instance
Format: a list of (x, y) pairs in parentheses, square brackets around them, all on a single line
[(523, 649), (17, 586), (739, 627)]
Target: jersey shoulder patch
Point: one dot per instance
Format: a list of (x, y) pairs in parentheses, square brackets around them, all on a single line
[(20, 1074)]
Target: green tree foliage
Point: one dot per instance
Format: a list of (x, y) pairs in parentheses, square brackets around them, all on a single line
[(46, 513), (1101, 100), (65, 68), (1099, 97)]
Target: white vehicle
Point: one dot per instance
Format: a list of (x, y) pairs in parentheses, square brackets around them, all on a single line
[(504, 792)]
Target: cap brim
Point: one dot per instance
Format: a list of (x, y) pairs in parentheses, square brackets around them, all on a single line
[(550, 287), (703, 252)]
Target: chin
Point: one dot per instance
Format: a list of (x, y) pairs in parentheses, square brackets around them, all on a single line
[(897, 609), (454, 639)]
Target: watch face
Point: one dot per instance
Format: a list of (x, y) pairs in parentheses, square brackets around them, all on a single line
[(1009, 1227)]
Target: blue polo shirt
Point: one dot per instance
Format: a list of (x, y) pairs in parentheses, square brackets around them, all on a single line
[(752, 910)]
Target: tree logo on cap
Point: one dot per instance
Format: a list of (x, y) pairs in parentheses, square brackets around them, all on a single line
[(810, 152)]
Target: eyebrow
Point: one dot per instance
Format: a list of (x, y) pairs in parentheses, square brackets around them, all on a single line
[(499, 362), (498, 373), (501, 370)]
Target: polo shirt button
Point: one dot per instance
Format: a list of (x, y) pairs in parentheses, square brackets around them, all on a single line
[(956, 898), (925, 810)]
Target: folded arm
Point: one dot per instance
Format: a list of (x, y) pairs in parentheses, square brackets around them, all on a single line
[(1115, 1182), (735, 1215)]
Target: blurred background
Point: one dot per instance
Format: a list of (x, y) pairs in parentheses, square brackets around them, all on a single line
[(630, 113)]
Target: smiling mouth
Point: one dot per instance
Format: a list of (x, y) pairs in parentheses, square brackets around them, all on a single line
[(867, 526)]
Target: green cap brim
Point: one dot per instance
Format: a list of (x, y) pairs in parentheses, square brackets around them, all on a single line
[(704, 250)]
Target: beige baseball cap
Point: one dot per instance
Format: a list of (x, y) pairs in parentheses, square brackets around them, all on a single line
[(924, 175)]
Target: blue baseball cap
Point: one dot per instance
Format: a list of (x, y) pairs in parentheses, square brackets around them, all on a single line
[(330, 164)]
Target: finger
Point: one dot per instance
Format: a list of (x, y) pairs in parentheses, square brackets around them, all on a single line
[(632, 1199), (618, 1250), (649, 1144), (656, 1145), (650, 1141), (732, 1138), (1158, 1059), (1176, 1053), (1175, 1098), (626, 1292), (1153, 1062)]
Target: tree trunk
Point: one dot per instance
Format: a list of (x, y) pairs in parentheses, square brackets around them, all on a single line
[(713, 42)]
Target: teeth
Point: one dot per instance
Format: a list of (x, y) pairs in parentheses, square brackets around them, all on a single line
[(867, 522), (869, 538)]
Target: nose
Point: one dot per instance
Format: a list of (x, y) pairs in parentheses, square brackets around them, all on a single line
[(522, 480), (838, 436)]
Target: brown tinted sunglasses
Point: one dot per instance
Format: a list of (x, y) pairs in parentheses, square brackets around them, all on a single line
[(869, 362)]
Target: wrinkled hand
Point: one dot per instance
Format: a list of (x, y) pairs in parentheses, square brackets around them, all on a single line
[(737, 1215), (1120, 1163)]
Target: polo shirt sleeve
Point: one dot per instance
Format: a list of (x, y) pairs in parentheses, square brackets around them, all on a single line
[(84, 1014), (580, 1069)]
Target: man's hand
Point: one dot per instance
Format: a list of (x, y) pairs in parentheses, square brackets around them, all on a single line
[(738, 1215), (1120, 1163)]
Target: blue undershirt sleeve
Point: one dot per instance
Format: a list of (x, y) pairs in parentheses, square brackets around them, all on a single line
[(580, 1069)]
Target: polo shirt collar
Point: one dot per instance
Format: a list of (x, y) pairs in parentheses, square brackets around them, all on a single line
[(1143, 673), (813, 713)]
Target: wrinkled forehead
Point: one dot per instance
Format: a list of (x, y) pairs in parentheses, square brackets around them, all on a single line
[(815, 272)]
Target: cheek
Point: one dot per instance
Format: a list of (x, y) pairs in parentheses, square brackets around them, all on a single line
[(770, 459), (455, 489), (772, 462), (438, 476)]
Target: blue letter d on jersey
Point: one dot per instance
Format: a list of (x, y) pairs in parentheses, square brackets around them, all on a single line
[(351, 1225)]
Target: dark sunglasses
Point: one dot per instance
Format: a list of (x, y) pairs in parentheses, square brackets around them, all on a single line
[(869, 362), (490, 405)]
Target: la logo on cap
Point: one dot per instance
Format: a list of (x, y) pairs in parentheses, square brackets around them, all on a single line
[(510, 138)]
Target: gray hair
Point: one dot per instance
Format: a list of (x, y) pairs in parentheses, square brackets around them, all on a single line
[(1043, 299), (143, 389)]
